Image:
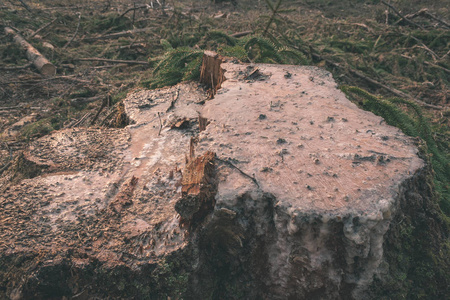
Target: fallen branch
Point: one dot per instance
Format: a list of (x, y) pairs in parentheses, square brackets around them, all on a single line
[(70, 77), (6, 166), (16, 68), (76, 31), (88, 114), (428, 63), (118, 34), (423, 46), (105, 102), (424, 13), (79, 101), (134, 9), (401, 16), (43, 27), (17, 108), (9, 160), (129, 62), (26, 6), (239, 170), (132, 46), (241, 34), (387, 88), (109, 66), (33, 55), (174, 100)]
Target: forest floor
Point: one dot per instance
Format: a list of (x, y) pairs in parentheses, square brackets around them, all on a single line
[(103, 49)]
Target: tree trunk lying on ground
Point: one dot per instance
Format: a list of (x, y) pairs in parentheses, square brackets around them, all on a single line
[(33, 55)]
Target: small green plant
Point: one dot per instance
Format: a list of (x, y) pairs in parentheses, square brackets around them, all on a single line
[(171, 279), (37, 129), (176, 65)]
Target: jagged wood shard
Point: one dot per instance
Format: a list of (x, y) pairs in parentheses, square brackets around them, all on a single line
[(198, 186), (211, 74)]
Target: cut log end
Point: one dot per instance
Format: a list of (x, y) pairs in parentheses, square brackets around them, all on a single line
[(42, 64), (48, 70)]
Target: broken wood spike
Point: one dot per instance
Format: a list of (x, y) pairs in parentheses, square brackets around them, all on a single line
[(191, 149), (180, 123), (202, 123), (124, 196), (198, 189), (211, 74)]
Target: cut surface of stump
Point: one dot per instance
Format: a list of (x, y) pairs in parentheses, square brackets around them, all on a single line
[(292, 178)]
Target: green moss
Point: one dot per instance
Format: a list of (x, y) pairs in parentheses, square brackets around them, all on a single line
[(171, 279), (37, 129), (416, 248)]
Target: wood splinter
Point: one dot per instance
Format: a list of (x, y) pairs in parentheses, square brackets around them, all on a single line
[(198, 189)]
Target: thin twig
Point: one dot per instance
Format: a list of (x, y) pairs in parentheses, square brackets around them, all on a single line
[(81, 120), (428, 63), (401, 16), (130, 62), (104, 103), (25, 5), (119, 34), (9, 160), (134, 9), (6, 166), (240, 171), (172, 103), (76, 31), (241, 34), (423, 46), (424, 12), (16, 68), (43, 27), (69, 77)]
